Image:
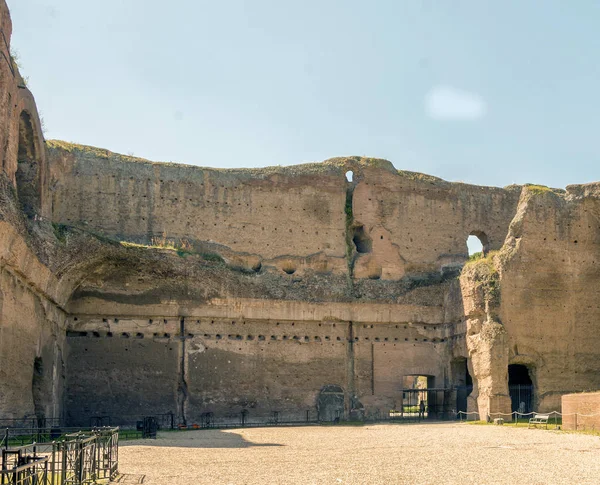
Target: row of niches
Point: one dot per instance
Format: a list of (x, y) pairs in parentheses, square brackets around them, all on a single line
[(202, 198), (195, 186), (377, 327), (260, 338)]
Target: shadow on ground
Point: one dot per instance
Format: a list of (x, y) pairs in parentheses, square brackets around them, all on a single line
[(209, 438)]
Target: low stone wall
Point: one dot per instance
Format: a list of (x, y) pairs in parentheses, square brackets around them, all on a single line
[(581, 411)]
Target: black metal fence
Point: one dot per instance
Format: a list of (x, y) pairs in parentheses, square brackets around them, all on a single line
[(79, 458), (521, 397), (164, 420)]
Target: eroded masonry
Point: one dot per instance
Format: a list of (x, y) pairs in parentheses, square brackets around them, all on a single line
[(132, 288)]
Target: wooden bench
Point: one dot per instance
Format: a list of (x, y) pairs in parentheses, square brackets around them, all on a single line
[(539, 419)]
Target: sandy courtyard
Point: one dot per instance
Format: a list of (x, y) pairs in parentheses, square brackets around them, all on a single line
[(450, 453)]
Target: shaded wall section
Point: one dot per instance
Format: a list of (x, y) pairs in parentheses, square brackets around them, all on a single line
[(120, 377), (31, 342), (191, 366)]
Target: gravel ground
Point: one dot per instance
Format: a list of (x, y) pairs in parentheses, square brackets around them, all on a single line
[(448, 453)]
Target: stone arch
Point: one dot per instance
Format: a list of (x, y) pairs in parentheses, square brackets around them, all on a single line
[(330, 403), (481, 238), (28, 176)]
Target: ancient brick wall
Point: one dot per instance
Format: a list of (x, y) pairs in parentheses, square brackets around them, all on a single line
[(32, 334), (550, 292), (191, 289), (271, 213), (418, 223), (581, 411), (7, 89), (31, 321), (124, 378), (535, 303), (21, 138), (227, 362), (384, 227), (292, 218)]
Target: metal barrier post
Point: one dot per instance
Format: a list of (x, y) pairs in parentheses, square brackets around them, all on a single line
[(53, 465), (63, 472)]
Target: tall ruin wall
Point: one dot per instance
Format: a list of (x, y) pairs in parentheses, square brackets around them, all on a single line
[(296, 217), (32, 324), (378, 257), (536, 302), (130, 287), (551, 290)]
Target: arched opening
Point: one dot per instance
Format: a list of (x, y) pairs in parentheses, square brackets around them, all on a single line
[(349, 176), (27, 175), (477, 244), (520, 388), (361, 241), (37, 389), (462, 382), (330, 404), (288, 267)]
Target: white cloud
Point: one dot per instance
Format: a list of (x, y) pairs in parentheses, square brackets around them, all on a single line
[(446, 103)]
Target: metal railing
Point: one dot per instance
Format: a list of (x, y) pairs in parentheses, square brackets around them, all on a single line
[(555, 417), (79, 458), (33, 472)]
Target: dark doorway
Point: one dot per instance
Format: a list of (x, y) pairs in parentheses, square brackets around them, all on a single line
[(520, 388), (463, 383), (330, 404), (27, 175), (37, 389)]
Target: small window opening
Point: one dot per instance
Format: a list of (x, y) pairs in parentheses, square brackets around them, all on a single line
[(361, 241), (477, 244), (349, 176)]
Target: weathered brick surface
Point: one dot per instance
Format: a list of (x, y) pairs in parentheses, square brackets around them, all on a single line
[(581, 411), (202, 290)]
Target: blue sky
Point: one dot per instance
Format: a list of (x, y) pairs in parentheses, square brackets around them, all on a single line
[(490, 93)]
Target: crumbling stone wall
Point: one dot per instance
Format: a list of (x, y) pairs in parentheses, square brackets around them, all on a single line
[(550, 292), (154, 287), (32, 333), (31, 322), (535, 302), (19, 119), (410, 223)]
